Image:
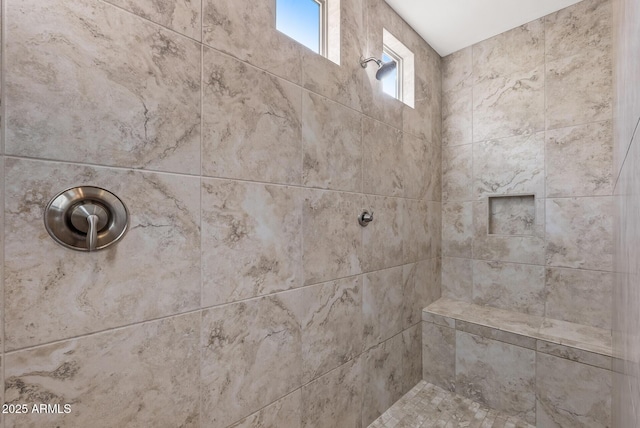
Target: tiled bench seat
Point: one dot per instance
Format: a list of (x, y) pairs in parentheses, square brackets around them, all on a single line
[(550, 373)]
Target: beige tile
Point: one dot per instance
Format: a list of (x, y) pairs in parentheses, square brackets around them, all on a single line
[(457, 114), (382, 305), (579, 296), (182, 16), (457, 278), (579, 89), (332, 144), (251, 240), (497, 374), (74, 294), (383, 159), (334, 399), (331, 236), (457, 229), (515, 249), (418, 163), (382, 238), (457, 70), (411, 356), (88, 82), (147, 371), (246, 30), (260, 343), (518, 50), (578, 336), (457, 173), (420, 288), (510, 286), (577, 28), (418, 218), (574, 354), (496, 334), (381, 378), (438, 319), (323, 311), (284, 412), (251, 123), (571, 394), (439, 355), (579, 233), (509, 166), (579, 160), (509, 105)]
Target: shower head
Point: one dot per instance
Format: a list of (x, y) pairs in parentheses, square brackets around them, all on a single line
[(384, 68)]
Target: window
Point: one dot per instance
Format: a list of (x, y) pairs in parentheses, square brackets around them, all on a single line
[(302, 21), (400, 83), (312, 23), (391, 84)]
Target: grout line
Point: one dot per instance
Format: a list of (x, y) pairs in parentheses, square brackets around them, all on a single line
[(526, 264), (633, 136), (205, 177), (200, 318)]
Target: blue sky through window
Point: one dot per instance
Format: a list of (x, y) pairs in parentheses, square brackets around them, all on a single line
[(389, 82), (300, 20)]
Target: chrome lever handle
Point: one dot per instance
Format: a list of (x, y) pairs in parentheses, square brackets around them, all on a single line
[(92, 233)]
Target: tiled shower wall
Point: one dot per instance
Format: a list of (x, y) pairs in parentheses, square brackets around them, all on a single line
[(626, 303), (529, 112), (245, 291)]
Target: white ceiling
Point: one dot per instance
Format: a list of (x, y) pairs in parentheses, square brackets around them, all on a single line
[(450, 25)]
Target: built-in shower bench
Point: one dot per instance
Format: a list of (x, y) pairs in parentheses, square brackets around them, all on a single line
[(547, 372)]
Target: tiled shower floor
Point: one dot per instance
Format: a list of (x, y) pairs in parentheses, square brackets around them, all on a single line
[(429, 406)]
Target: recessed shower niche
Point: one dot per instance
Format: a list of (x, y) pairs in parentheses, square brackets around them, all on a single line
[(512, 215)]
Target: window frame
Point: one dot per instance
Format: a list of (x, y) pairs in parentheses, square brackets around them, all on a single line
[(399, 76)]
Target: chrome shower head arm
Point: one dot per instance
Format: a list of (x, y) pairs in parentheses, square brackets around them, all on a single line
[(364, 62)]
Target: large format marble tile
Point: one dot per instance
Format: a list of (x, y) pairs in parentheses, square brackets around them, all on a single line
[(251, 123), (381, 378), (146, 371), (382, 238), (324, 311), (457, 114), (506, 248), (579, 160), (509, 166), (411, 356), (509, 105), (332, 144), (439, 355), (259, 342), (457, 70), (383, 159), (571, 394), (579, 233), (334, 399), (579, 89), (511, 286), (419, 220), (382, 305), (457, 173), (247, 30), (419, 161), (331, 236), (579, 296), (497, 374), (88, 82), (457, 278), (251, 240), (421, 287), (518, 50), (76, 293), (284, 412), (457, 229), (183, 16), (578, 28)]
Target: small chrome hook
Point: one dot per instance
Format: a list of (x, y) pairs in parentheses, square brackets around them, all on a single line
[(365, 218)]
